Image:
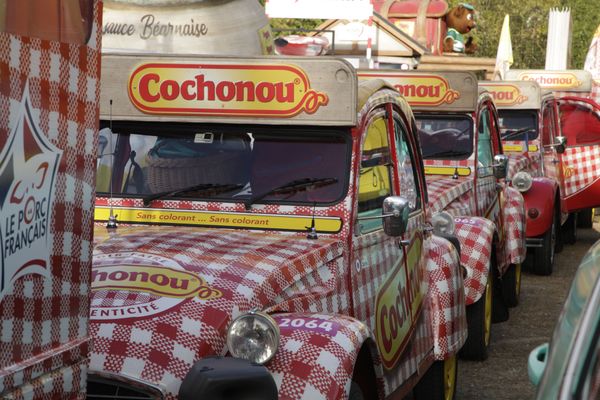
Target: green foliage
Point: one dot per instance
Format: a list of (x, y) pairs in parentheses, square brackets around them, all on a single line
[(528, 27)]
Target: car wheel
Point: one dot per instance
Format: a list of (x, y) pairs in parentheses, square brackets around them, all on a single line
[(543, 262), (511, 285), (479, 323), (439, 382), (355, 392), (585, 218), (569, 231)]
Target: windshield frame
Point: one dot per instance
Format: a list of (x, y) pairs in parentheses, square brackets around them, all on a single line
[(419, 116), (185, 129)]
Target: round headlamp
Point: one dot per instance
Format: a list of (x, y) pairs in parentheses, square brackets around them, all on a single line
[(443, 223), (254, 337), (522, 181)]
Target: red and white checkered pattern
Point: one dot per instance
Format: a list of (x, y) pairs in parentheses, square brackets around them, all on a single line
[(314, 364), (444, 190), (476, 239), (250, 269), (514, 221), (446, 292), (38, 316), (522, 162), (582, 162)]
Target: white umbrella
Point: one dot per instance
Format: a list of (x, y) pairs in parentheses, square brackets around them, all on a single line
[(592, 64), (504, 57)]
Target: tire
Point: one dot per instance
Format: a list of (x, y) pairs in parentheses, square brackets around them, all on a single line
[(355, 392), (569, 229), (479, 323), (543, 262), (511, 285), (439, 382), (585, 218)]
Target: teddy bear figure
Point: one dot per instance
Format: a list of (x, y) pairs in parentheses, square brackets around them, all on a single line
[(460, 20)]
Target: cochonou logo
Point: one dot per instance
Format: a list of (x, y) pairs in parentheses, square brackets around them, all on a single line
[(28, 168), (156, 284)]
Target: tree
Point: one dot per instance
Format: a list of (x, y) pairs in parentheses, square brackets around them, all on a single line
[(528, 25)]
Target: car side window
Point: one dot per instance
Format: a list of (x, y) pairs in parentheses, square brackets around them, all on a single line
[(484, 144), (407, 170), (547, 126), (375, 181)]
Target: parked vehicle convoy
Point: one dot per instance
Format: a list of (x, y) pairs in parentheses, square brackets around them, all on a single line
[(579, 122), (261, 233), (569, 367), (465, 168), (49, 80), (531, 136)]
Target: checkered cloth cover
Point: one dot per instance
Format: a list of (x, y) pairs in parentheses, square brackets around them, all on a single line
[(514, 222), (520, 162), (476, 237), (64, 383), (583, 163), (312, 363), (447, 298), (38, 316), (444, 190), (250, 269)]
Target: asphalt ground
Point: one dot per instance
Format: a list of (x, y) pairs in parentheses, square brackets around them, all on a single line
[(503, 375)]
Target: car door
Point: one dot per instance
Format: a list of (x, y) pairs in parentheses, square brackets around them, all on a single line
[(580, 124), (382, 296)]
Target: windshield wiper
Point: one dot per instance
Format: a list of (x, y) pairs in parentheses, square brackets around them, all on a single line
[(204, 188), (510, 134), (294, 186)]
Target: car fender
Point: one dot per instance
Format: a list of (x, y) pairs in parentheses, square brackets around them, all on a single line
[(541, 196), (476, 236), (316, 355), (515, 225), (447, 298)]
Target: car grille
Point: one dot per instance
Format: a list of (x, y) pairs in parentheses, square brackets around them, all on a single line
[(99, 388)]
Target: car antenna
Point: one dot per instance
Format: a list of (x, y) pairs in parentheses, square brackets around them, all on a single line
[(312, 232), (112, 219)]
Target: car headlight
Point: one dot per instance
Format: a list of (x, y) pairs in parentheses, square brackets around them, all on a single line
[(522, 181), (254, 337), (443, 223)]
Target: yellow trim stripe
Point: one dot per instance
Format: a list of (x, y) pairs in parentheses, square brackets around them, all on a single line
[(462, 171), (518, 147), (298, 223)]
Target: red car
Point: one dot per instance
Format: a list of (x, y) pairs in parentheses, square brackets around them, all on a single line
[(531, 136), (579, 122), (465, 170)]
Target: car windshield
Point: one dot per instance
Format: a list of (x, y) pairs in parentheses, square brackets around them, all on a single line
[(446, 137), (232, 163), (518, 125)]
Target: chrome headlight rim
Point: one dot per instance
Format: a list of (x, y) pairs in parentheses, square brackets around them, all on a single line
[(443, 223), (522, 181), (264, 318)]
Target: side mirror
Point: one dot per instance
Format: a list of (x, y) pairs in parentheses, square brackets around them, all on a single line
[(500, 166), (560, 144), (395, 215), (536, 363)]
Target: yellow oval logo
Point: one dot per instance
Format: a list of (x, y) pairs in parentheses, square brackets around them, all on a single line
[(506, 95), (223, 89), (161, 281), (552, 80), (427, 90)]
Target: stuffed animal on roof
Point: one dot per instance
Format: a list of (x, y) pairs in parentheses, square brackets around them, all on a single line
[(460, 20)]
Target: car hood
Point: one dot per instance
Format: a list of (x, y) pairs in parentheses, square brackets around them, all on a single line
[(520, 162), (443, 190), (163, 297)]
